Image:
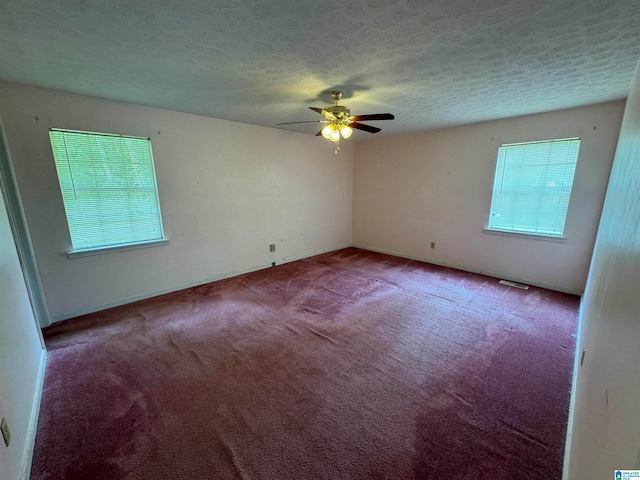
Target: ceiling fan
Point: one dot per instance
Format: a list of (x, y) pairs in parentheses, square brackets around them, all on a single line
[(339, 121)]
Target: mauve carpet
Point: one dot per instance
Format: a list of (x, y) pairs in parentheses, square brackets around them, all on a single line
[(347, 365)]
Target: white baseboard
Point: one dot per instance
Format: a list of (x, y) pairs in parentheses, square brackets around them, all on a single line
[(27, 457), (572, 402), (313, 254), (215, 278), (473, 270)]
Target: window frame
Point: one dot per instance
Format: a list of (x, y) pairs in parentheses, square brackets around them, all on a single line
[(560, 237), (109, 248)]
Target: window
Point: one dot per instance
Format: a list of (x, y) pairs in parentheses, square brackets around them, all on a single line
[(532, 187), (109, 189)]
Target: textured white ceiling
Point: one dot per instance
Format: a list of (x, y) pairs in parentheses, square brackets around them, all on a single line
[(431, 63)]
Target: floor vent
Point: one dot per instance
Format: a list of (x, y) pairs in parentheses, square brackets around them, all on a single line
[(514, 284)]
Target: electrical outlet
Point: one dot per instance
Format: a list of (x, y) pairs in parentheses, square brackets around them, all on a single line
[(6, 434), (433, 244), (272, 247)]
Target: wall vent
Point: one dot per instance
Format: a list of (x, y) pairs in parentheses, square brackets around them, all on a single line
[(514, 284)]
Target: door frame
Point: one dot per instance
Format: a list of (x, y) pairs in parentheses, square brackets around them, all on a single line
[(17, 220)]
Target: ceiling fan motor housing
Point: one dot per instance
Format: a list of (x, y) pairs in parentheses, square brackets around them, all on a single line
[(338, 111)]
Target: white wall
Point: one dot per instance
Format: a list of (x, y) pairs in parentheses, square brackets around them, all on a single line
[(606, 420), (21, 359), (435, 186), (227, 190)]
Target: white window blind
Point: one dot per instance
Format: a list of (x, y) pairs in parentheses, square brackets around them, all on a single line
[(532, 187), (108, 187)]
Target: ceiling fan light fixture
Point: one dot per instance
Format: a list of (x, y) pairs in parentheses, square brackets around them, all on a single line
[(346, 131), (335, 133), (332, 132)]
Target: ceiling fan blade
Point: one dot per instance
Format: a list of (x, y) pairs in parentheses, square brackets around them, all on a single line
[(316, 109), (366, 128), (374, 116), (319, 134), (306, 121)]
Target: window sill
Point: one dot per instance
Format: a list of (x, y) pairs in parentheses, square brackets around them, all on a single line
[(117, 248), (533, 236)]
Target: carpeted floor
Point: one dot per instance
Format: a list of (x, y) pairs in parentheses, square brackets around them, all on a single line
[(348, 365)]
